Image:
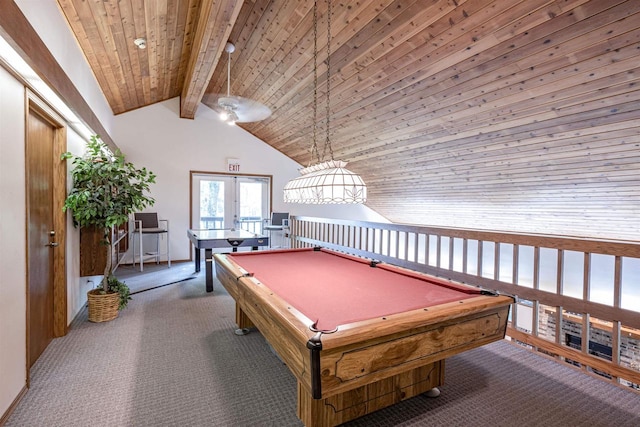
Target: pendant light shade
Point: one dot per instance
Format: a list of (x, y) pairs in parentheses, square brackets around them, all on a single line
[(324, 183)]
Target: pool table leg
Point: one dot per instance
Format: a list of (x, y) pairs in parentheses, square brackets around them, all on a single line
[(352, 404), (243, 321)]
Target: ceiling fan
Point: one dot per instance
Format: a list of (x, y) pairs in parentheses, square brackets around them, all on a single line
[(234, 108)]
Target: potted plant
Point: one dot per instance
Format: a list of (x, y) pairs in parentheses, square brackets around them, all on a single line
[(106, 190)]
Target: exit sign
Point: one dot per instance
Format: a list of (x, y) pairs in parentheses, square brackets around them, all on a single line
[(233, 165)]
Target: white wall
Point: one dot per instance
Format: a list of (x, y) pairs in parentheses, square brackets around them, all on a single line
[(13, 257), (77, 287), (157, 138)]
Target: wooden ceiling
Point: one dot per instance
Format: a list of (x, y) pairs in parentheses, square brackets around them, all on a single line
[(519, 115)]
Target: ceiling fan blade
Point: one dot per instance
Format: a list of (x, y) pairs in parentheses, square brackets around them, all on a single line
[(247, 110)]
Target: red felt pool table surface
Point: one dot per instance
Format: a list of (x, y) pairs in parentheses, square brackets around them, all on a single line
[(334, 289)]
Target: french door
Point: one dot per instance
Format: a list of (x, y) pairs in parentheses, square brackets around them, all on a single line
[(229, 201)]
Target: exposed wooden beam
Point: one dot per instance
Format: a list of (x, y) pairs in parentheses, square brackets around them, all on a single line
[(215, 22), (19, 33)]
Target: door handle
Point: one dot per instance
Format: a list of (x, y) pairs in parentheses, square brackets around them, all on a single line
[(52, 244)]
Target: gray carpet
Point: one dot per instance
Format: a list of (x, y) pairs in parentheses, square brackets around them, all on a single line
[(172, 359), (155, 275)]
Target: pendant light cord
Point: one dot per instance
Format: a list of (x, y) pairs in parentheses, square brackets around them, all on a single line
[(327, 142), (315, 154)]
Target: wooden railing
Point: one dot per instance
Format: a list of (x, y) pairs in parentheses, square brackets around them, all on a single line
[(569, 291)]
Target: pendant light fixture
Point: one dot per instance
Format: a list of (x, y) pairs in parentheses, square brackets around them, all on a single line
[(326, 181)]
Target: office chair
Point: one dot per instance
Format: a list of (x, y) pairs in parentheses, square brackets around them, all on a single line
[(279, 221), (147, 223)]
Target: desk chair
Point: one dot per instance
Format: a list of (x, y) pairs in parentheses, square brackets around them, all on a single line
[(147, 223), (279, 221)]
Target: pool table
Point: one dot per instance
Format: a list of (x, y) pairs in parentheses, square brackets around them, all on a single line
[(358, 335)]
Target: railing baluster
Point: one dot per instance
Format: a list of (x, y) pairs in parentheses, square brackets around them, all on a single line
[(465, 255), (559, 281), (480, 249), (586, 276), (496, 260)]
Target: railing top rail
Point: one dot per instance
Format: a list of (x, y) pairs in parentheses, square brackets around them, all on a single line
[(571, 243)]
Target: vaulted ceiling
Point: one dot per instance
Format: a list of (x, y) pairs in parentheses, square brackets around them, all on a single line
[(519, 115)]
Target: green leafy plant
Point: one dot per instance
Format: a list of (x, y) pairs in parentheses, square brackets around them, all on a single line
[(121, 288), (106, 190)]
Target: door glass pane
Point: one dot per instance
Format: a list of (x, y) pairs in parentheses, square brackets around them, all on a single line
[(251, 206), (211, 204)]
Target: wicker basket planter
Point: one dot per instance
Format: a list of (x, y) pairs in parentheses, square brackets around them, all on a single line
[(102, 308)]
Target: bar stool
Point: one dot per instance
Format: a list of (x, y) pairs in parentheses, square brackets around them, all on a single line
[(147, 223), (277, 223)]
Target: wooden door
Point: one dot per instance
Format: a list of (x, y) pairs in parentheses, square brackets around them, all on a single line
[(40, 234)]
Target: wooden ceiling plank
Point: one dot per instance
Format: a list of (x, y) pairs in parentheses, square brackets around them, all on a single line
[(163, 46), (127, 16), (150, 23), (124, 49), (137, 16)]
